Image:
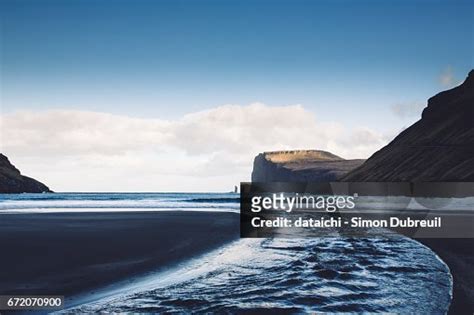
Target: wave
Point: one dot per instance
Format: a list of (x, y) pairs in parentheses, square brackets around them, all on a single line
[(118, 201), (213, 200)]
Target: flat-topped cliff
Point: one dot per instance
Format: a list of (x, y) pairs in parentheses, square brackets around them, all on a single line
[(11, 180), (300, 166), (438, 147)]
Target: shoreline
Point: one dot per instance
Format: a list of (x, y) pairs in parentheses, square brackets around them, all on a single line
[(457, 254), (92, 255), (79, 254)]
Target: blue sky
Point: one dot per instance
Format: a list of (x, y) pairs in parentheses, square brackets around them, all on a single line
[(349, 61), (167, 58)]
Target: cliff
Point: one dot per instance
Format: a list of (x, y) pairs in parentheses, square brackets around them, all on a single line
[(300, 166), (439, 147), (11, 180)]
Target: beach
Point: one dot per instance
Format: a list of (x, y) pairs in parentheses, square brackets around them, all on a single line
[(74, 254), (458, 254), (181, 252)]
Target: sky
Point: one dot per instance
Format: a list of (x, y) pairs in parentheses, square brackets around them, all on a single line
[(181, 95)]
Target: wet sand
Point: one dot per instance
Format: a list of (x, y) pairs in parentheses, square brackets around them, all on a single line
[(458, 254), (73, 254)]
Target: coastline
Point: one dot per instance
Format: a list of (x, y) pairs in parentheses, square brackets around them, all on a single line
[(75, 254), (458, 256), (86, 256)]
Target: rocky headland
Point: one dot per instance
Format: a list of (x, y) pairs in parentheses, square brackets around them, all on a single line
[(300, 166), (12, 181)]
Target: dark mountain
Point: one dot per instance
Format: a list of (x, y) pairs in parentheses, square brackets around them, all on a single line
[(438, 147), (11, 180), (300, 166)]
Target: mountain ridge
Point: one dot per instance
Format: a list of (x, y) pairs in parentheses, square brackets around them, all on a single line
[(438, 147)]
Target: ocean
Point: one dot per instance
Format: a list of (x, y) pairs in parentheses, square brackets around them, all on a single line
[(330, 274)]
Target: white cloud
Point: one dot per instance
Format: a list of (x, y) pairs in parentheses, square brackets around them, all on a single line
[(408, 110), (447, 79), (206, 150)]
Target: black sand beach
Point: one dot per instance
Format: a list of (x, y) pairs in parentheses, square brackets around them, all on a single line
[(458, 254), (73, 254)]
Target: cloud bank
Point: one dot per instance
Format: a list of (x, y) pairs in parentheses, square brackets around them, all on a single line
[(206, 150)]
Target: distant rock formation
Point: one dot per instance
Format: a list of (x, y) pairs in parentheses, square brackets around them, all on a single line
[(11, 180), (439, 147), (300, 166)]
